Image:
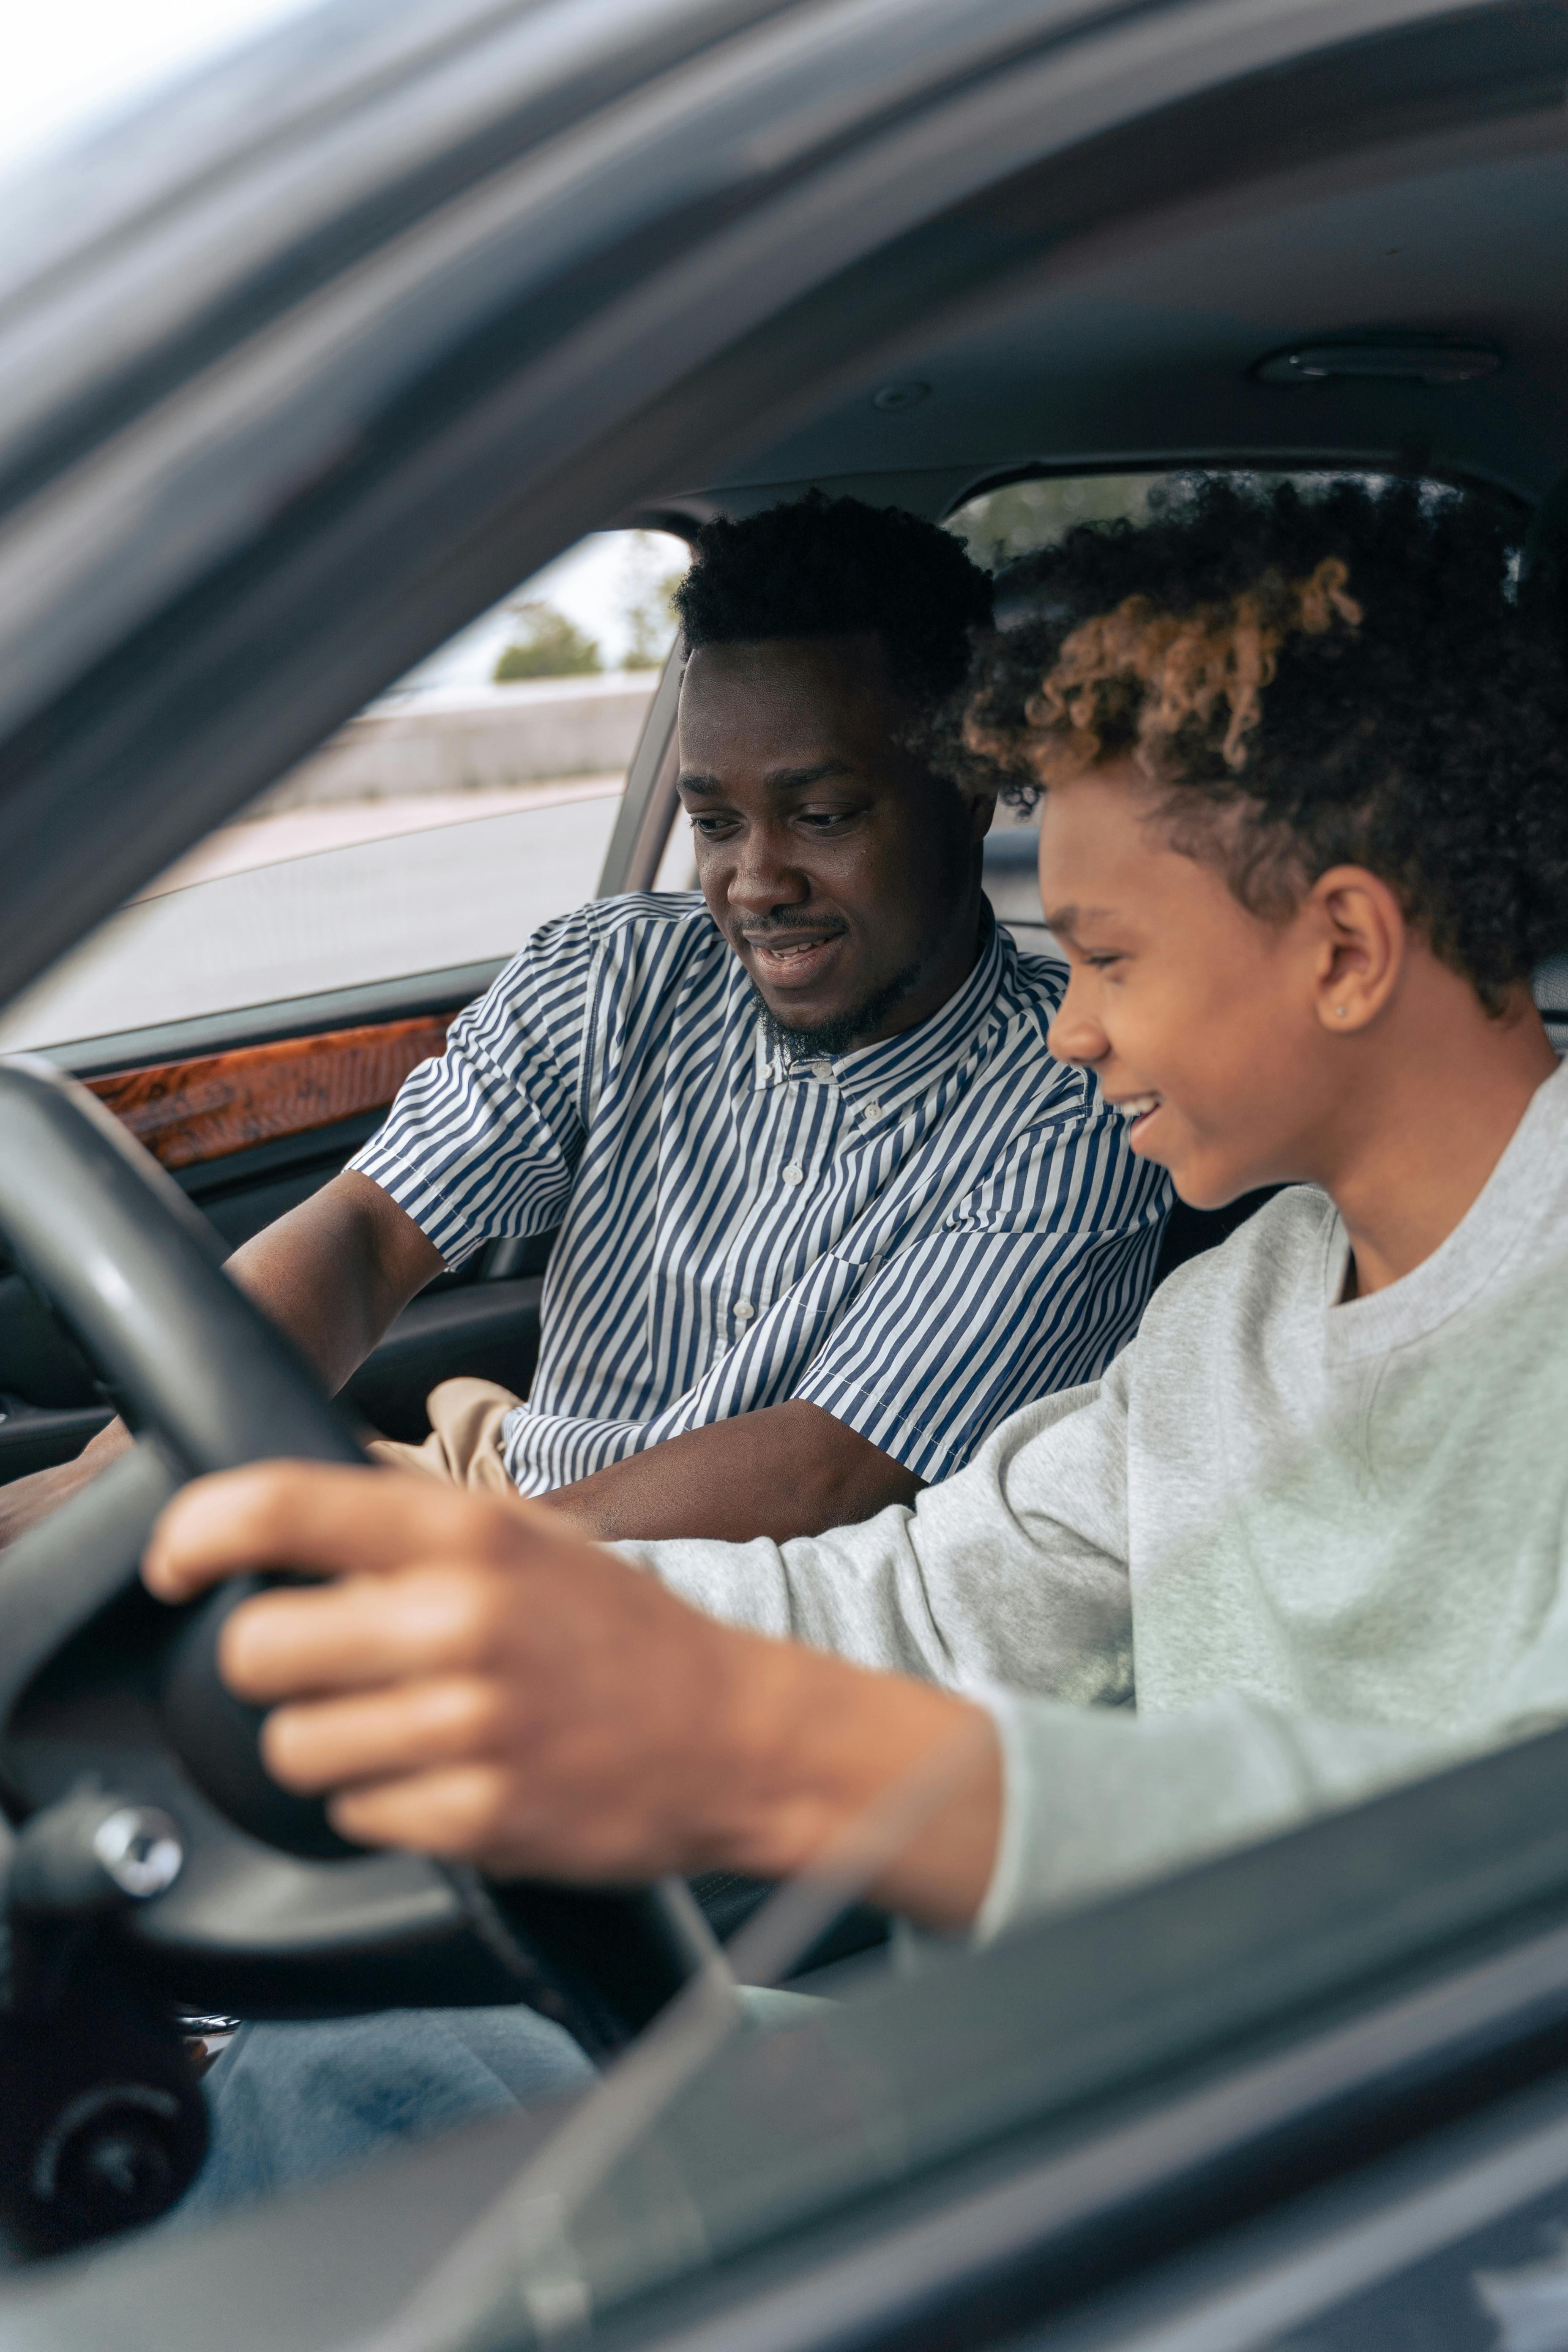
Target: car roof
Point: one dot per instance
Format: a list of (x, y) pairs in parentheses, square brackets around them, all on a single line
[(281, 412)]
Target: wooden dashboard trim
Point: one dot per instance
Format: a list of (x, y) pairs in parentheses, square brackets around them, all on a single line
[(187, 1113)]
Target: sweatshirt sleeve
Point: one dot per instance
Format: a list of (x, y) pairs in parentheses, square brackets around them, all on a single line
[(1012, 1573), (1096, 1800)]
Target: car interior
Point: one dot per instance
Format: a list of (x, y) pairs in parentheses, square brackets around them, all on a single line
[(1394, 309)]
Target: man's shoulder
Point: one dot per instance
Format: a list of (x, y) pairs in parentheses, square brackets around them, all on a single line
[(639, 924), (653, 913), (632, 933), (1037, 980), (1030, 992)]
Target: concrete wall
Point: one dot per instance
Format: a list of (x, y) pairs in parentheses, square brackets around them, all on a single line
[(462, 739)]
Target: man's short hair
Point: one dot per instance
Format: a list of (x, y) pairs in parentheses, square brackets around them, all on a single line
[(821, 567)]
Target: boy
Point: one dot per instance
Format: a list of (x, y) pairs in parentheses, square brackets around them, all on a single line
[(1303, 775)]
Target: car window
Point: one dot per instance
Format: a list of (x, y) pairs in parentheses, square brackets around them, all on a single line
[(999, 525), (469, 803)]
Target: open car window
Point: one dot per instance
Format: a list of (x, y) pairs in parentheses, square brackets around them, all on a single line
[(471, 801)]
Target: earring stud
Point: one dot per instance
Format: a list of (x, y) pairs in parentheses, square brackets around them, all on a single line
[(1343, 1012)]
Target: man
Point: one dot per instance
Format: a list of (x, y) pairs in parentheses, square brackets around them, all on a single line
[(1303, 839), (828, 1207)]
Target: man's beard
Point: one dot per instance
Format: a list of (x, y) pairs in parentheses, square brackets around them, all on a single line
[(843, 1030)]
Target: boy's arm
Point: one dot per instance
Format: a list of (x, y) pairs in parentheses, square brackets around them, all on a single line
[(478, 1683), (1014, 1572), (333, 1274)]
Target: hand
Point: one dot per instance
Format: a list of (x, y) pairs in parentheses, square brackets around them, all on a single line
[(480, 1683)]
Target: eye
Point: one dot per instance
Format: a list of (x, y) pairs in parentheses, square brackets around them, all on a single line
[(711, 828)]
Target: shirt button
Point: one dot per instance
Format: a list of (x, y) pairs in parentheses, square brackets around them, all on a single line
[(793, 1174), (822, 1070), (745, 1310), (871, 1110)]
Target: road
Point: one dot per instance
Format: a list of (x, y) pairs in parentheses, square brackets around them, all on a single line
[(323, 898)]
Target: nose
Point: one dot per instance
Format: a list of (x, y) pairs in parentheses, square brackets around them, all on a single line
[(1077, 1034), (761, 876)]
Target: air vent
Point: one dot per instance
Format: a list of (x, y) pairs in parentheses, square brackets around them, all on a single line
[(1392, 362)]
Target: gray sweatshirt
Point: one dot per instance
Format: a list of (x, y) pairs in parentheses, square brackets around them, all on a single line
[(1285, 1553)]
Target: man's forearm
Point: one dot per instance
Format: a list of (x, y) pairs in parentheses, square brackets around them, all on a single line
[(335, 1271), (788, 1470), (333, 1274)]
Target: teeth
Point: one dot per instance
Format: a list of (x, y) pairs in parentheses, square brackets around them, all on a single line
[(1135, 1107)]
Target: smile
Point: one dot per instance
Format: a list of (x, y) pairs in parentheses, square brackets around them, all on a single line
[(1135, 1109), (792, 962)]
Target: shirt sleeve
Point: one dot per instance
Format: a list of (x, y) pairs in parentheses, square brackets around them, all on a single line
[(483, 1144), (1034, 1282)]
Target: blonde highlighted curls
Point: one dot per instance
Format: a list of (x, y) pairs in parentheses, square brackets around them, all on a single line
[(1135, 679)]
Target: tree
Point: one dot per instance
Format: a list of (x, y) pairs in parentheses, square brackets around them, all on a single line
[(547, 645), (647, 604)]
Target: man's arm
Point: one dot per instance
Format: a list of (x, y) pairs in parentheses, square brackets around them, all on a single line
[(336, 1270), (333, 1274), (785, 1470)]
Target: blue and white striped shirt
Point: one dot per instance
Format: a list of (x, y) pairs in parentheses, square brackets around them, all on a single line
[(918, 1236)]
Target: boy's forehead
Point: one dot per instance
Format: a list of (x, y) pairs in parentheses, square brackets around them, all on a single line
[(1100, 859)]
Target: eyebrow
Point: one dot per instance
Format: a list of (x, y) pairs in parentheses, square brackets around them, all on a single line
[(781, 779), (1066, 921)]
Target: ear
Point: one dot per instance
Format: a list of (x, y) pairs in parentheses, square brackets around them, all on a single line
[(1363, 941), (979, 797)]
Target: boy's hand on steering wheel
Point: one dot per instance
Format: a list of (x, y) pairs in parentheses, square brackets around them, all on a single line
[(478, 1683)]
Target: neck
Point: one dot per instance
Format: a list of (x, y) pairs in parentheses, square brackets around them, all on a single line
[(938, 978), (1428, 1115)]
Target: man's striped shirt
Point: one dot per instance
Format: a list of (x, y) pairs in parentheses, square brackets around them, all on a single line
[(918, 1236)]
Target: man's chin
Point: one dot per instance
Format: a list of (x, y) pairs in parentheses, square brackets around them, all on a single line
[(805, 1030)]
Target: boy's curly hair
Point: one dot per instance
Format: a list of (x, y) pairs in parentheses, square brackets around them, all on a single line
[(821, 567), (1351, 677)]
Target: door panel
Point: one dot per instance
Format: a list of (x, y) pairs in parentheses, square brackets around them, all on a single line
[(192, 1112)]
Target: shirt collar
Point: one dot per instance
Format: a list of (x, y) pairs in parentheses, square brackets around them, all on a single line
[(902, 1067)]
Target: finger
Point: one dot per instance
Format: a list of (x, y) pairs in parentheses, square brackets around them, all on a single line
[(338, 1743), (364, 1632), (330, 1519), (459, 1812), (490, 1816)]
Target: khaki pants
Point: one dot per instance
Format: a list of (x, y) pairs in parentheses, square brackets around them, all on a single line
[(464, 1447)]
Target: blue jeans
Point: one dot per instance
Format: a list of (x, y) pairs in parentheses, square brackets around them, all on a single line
[(291, 2104)]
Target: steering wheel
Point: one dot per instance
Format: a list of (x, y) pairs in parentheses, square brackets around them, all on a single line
[(111, 1705)]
